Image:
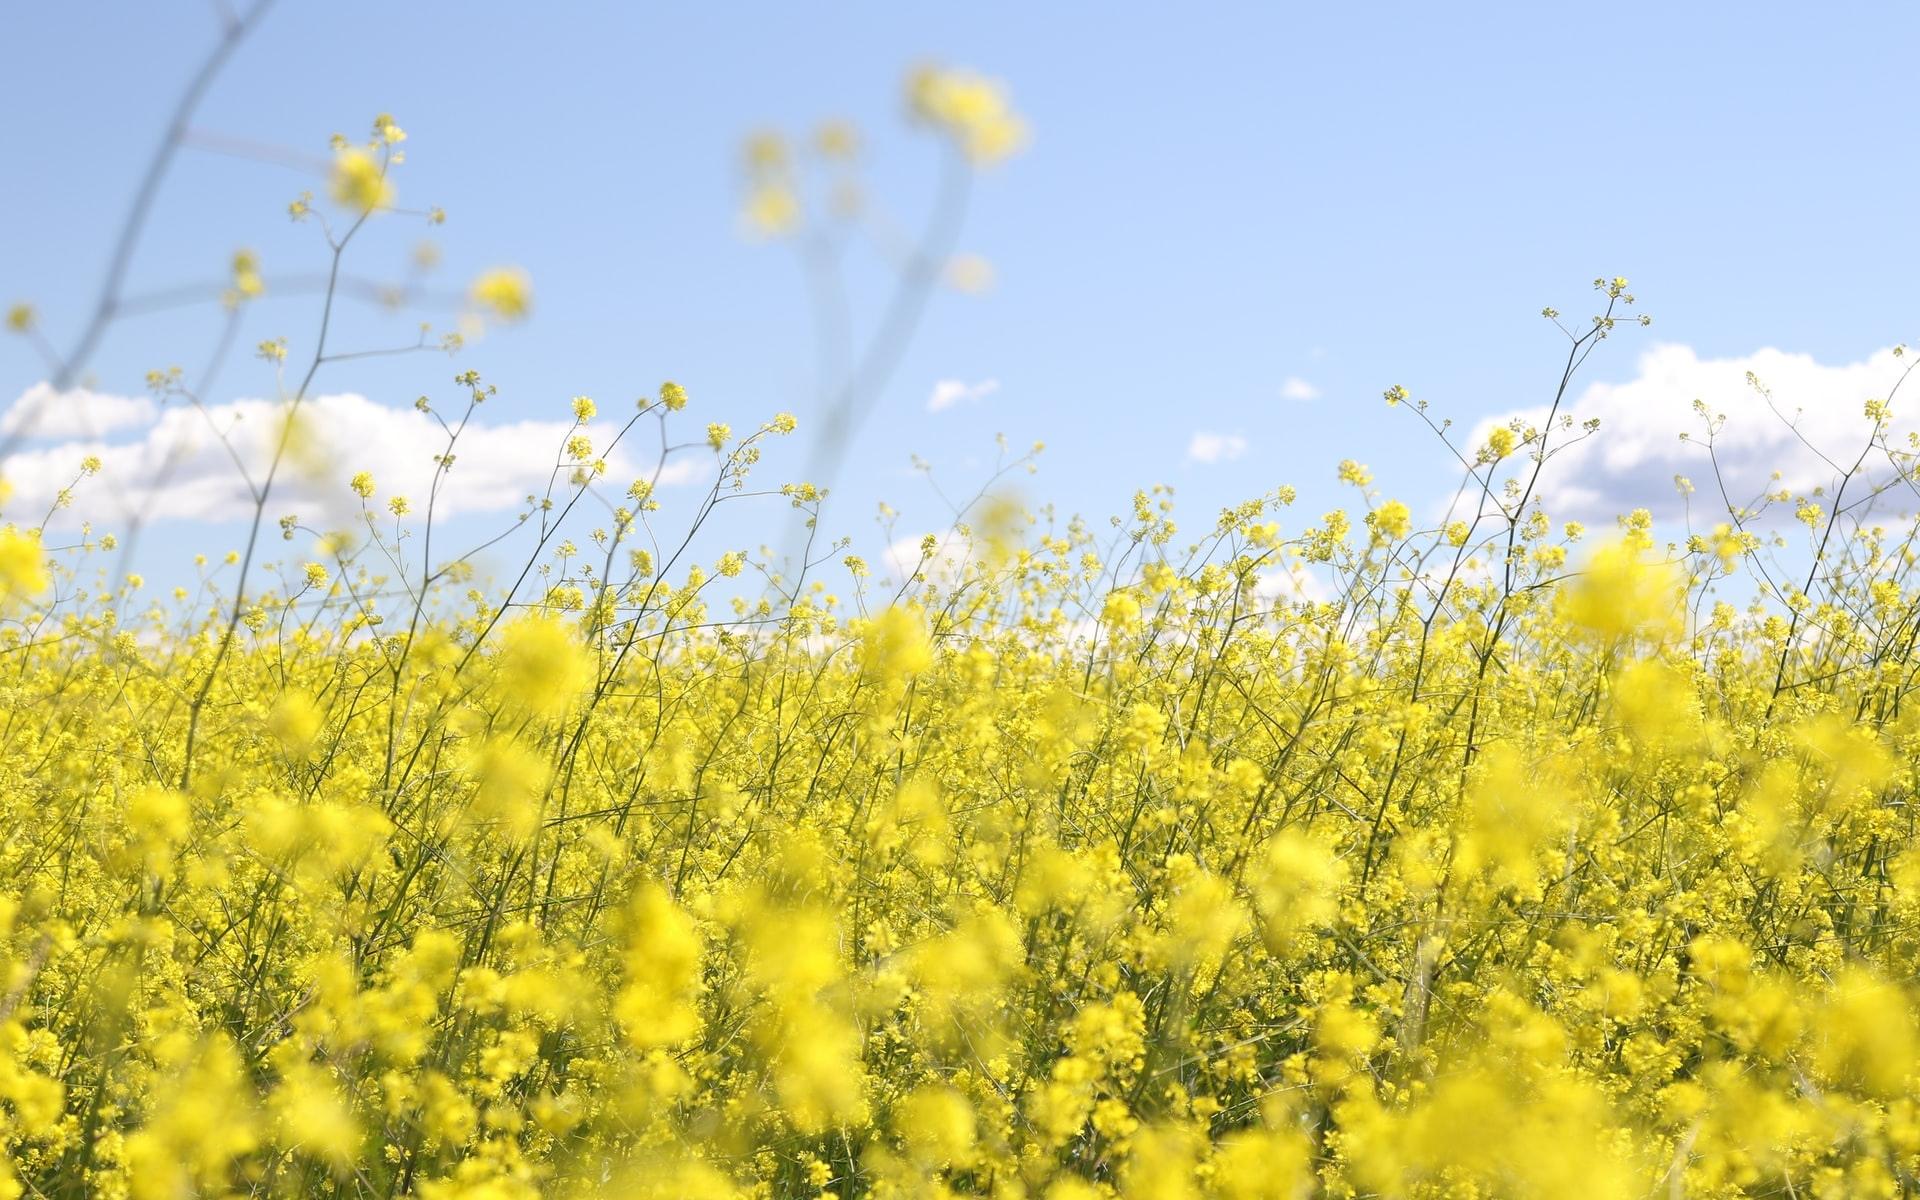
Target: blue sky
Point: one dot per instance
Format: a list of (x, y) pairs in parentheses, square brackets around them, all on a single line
[(1215, 200)]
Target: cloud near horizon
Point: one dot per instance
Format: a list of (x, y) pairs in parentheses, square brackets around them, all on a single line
[(170, 463), (1296, 388), (1631, 462), (950, 392), (1215, 447)]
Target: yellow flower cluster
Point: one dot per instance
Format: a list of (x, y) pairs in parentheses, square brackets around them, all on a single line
[(506, 292), (970, 108)]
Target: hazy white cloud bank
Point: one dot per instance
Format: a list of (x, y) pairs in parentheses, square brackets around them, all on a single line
[(44, 413), (170, 462), (1215, 447), (1296, 388), (906, 557), (949, 392), (1631, 462), (1292, 582)]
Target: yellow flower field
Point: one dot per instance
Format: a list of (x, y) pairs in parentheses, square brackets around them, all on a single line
[(1508, 859), (1487, 876)]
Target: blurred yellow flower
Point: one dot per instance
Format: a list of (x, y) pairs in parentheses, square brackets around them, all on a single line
[(970, 108), (359, 181), (505, 292)]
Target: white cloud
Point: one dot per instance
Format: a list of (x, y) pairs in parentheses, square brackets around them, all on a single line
[(1215, 447), (905, 558), (41, 412), (176, 467), (1631, 462), (949, 392), (1296, 388), (1292, 581)]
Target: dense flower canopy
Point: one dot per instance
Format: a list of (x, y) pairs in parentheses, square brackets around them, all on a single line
[(1528, 871)]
